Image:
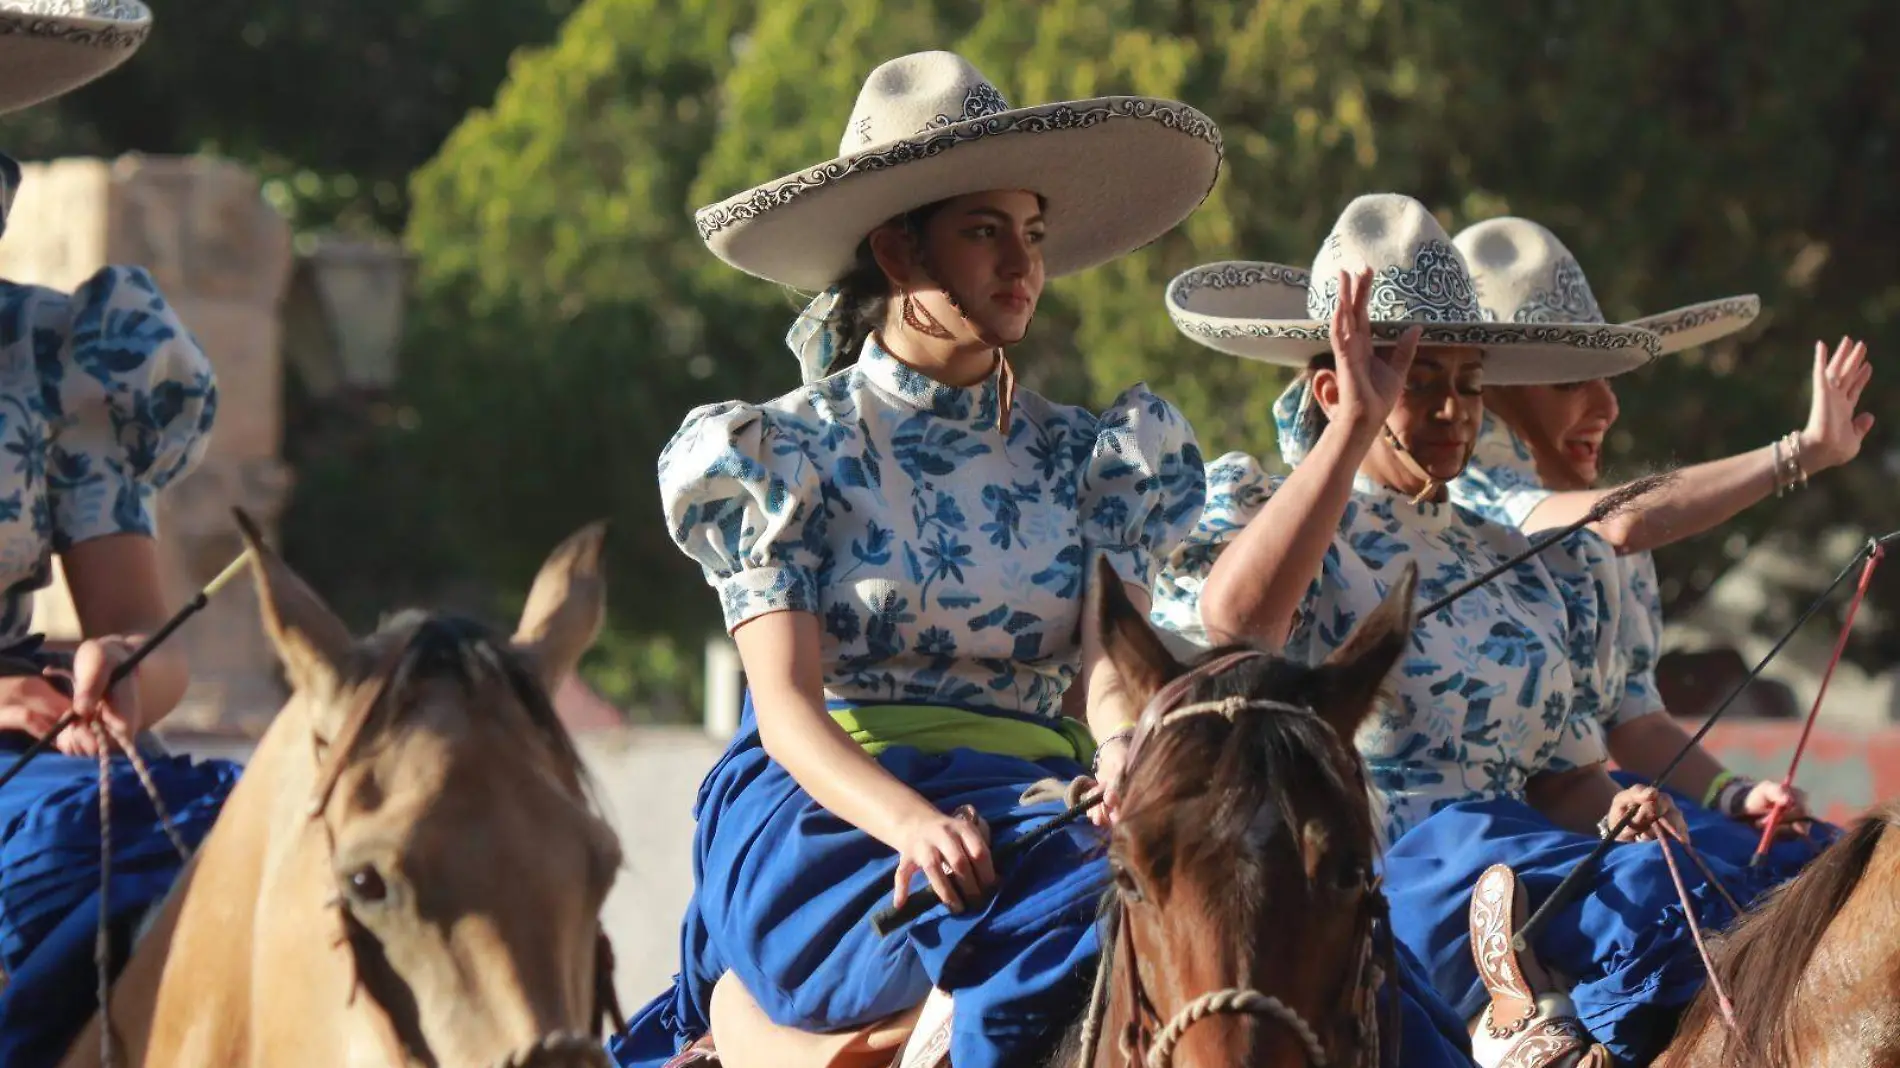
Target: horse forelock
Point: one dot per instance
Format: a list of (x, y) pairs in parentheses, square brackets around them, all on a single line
[(1266, 772), (414, 648)]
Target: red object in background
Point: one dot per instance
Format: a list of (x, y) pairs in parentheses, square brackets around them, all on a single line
[(1843, 772)]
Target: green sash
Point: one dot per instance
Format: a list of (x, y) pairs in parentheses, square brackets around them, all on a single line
[(935, 729)]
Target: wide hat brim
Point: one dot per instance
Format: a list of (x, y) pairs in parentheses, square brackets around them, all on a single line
[(44, 56), (1116, 173), (1701, 322), (1257, 310)]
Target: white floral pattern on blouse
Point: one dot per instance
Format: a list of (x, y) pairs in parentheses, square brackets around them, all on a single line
[(105, 398), (1501, 483), (945, 565), (1497, 688)]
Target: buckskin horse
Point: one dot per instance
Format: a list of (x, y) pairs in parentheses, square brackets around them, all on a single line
[(409, 871)]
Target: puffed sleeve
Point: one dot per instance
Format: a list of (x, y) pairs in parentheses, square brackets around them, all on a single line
[(742, 496), (1589, 578), (1501, 482), (1144, 485), (1642, 628), (129, 399), (1237, 487)]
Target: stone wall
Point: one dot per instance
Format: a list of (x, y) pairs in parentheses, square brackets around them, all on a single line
[(222, 256)]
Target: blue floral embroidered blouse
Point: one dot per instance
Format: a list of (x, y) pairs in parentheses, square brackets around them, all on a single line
[(1497, 688), (105, 398), (946, 564), (1501, 483)]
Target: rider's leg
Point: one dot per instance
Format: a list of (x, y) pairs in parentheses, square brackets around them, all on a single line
[(747, 1038), (1529, 1021)]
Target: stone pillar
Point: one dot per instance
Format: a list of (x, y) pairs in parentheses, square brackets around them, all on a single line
[(222, 256)]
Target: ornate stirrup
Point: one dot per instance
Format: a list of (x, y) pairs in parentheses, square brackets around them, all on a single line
[(1528, 1023)]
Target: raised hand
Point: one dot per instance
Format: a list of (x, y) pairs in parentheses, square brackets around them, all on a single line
[(1834, 432), (1371, 380)]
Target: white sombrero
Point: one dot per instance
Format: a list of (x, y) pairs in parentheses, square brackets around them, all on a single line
[(1273, 312), (1526, 275), (1116, 172), (49, 47)]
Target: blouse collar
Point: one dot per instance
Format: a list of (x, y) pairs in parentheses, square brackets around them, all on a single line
[(1426, 515), (975, 405)]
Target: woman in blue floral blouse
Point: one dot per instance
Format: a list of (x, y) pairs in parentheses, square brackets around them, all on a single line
[(901, 547), (1537, 464), (104, 399), (1492, 748)]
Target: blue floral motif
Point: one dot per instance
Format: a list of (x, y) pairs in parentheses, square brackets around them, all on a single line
[(1502, 484), (107, 400), (1494, 690), (945, 564)]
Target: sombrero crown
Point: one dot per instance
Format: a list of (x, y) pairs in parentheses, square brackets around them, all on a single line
[(1525, 274), (1280, 314), (1115, 172)]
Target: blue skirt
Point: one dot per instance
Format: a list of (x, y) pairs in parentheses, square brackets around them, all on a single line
[(1625, 943), (784, 891), (49, 881)]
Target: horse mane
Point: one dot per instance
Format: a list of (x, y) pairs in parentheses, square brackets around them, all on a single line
[(417, 646), (1762, 957)]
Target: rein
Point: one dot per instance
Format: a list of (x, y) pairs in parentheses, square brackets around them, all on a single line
[(1573, 882), (1155, 1047)]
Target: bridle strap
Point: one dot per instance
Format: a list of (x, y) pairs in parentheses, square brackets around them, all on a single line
[(1164, 710)]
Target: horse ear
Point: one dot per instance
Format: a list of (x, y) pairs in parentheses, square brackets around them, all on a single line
[(566, 606), (311, 641), (1128, 641), (1354, 677)]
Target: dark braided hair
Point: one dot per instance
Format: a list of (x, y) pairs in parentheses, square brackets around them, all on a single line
[(864, 293)]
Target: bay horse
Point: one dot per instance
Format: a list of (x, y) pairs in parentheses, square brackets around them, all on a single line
[(1812, 971), (1245, 923), (409, 871)]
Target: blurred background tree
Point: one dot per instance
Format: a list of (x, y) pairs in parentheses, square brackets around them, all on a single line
[(542, 160)]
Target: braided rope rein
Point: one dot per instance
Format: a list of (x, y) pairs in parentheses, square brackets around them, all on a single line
[(1232, 1002)]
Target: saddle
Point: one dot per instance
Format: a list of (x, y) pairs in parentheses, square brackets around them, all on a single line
[(743, 1036)]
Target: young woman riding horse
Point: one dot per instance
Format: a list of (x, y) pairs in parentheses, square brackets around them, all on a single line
[(105, 399), (1536, 465), (901, 547), (1496, 698)]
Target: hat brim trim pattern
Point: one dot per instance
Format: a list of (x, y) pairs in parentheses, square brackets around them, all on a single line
[(798, 231), (1698, 324), (45, 56), (1515, 353)]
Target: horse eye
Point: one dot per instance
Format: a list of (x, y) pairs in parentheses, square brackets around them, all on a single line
[(367, 885), (1125, 884)]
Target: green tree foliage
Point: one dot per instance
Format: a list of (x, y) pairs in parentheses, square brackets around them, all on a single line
[(335, 103), (1681, 154), (567, 315)]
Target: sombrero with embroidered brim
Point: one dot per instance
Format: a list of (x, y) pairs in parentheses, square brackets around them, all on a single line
[(50, 47), (1116, 172), (1281, 314), (1525, 274)]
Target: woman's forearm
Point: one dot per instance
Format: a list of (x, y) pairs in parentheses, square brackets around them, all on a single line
[(1574, 800), (1646, 745), (780, 654), (1261, 577), (1701, 498)]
